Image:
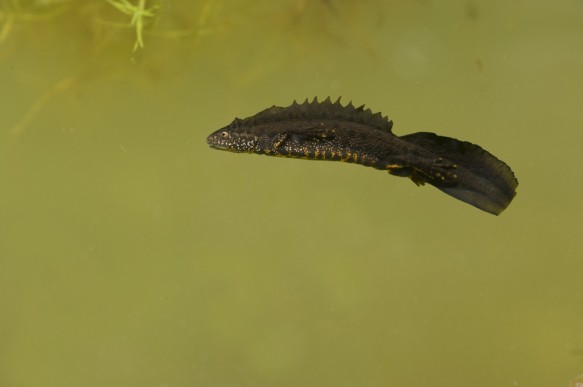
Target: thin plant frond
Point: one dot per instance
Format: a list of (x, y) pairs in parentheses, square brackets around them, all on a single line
[(62, 86), (138, 13)]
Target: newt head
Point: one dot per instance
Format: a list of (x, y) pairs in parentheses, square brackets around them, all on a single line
[(231, 138)]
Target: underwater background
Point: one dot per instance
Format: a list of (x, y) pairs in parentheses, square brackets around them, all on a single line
[(131, 254)]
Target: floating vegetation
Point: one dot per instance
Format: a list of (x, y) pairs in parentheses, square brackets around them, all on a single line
[(138, 13), (305, 21), (106, 33), (31, 11)]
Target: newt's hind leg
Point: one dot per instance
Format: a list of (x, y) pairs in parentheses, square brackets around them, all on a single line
[(435, 172)]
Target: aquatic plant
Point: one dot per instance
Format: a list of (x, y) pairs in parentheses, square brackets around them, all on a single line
[(138, 13)]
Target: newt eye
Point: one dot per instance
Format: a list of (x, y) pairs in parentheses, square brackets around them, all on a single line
[(224, 134)]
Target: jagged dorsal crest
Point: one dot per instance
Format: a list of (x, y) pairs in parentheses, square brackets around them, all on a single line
[(325, 109)]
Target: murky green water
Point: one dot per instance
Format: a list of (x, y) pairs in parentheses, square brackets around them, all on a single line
[(133, 255)]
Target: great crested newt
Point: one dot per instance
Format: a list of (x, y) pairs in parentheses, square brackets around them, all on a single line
[(329, 131)]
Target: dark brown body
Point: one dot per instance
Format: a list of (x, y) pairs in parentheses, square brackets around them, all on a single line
[(329, 131)]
